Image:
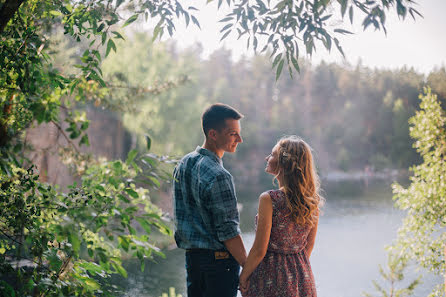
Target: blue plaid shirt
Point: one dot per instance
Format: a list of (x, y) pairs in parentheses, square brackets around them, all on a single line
[(205, 204)]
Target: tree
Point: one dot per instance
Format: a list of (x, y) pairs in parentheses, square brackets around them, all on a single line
[(291, 25), (421, 237)]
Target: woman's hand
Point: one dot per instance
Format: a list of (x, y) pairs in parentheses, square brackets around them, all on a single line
[(243, 284)]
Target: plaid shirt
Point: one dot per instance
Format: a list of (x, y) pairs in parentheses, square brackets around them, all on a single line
[(205, 204)]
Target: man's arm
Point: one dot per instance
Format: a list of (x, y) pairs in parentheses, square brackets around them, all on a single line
[(225, 216), (237, 249)]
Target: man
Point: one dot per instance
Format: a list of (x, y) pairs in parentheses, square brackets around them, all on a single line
[(205, 207)]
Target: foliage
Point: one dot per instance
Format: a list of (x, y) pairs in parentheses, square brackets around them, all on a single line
[(288, 25), (421, 237), (395, 274), (56, 243), (171, 293), (30, 88)]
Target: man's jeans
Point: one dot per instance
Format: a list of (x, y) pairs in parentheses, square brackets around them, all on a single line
[(211, 273)]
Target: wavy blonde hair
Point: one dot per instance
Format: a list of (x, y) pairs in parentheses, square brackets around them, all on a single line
[(301, 183)]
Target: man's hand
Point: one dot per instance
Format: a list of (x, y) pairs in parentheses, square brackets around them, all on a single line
[(243, 284)]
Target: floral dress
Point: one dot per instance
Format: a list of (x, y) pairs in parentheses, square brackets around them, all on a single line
[(285, 270)]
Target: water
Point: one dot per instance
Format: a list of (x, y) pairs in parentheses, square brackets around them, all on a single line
[(358, 221)]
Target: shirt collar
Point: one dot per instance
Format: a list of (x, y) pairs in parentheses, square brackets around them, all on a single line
[(208, 153)]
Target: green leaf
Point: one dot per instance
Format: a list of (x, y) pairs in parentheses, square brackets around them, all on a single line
[(92, 267), (226, 19), (148, 142), (91, 284), (195, 21), (131, 209), (342, 31), (84, 140), (309, 46), (350, 14), (103, 37), (123, 198), (131, 193), (56, 13), (279, 69), (144, 224), (343, 7), (158, 29), (130, 20), (277, 59), (84, 125), (101, 27), (148, 159), (117, 165), (155, 181), (74, 239), (124, 243), (326, 17), (295, 64), (131, 156), (225, 35), (110, 45), (118, 267), (187, 18), (226, 27), (118, 35), (338, 46)]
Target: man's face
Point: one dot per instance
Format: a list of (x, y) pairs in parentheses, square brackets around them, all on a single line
[(229, 137)]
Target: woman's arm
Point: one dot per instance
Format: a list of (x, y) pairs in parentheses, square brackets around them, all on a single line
[(261, 241), (311, 238)]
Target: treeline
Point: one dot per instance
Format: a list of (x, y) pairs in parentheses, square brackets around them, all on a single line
[(353, 116)]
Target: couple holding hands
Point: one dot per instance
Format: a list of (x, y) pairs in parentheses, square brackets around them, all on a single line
[(207, 219)]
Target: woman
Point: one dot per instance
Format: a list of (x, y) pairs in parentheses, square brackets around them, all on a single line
[(278, 263)]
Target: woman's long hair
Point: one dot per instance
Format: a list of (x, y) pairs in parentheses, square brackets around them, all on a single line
[(300, 181)]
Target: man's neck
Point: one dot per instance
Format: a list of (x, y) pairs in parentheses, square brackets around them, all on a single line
[(213, 148)]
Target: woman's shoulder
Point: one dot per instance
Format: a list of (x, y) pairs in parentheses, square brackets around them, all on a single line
[(265, 199), (265, 196), (273, 195)]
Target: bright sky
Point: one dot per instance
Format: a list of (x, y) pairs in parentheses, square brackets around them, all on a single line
[(420, 44)]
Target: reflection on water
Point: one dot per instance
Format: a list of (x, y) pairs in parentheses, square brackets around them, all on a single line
[(358, 222)]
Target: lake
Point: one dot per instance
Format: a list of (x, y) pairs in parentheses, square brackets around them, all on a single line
[(358, 221)]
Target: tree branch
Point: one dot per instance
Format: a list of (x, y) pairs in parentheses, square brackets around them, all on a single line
[(7, 11), (65, 136)]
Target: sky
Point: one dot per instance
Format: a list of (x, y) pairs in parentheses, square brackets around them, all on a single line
[(420, 44)]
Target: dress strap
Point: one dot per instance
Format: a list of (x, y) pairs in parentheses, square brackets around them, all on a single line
[(275, 196)]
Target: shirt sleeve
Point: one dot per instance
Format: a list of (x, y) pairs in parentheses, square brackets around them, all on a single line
[(223, 207)]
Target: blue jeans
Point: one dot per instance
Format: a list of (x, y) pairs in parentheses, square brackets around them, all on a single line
[(210, 274)]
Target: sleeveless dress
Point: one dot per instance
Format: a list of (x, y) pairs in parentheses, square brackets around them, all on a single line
[(285, 270)]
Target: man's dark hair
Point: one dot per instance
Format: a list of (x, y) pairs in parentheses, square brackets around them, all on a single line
[(215, 115)]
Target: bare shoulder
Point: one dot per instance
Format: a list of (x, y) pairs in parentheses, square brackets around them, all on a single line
[(265, 195), (265, 198)]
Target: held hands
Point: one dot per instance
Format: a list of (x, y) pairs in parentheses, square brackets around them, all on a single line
[(243, 283)]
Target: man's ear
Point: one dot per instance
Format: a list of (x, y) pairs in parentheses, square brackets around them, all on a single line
[(212, 134)]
